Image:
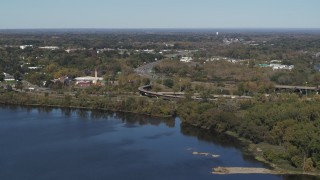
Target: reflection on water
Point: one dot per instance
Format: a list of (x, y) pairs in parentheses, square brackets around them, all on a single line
[(209, 136), (128, 118), (300, 177), (66, 111)]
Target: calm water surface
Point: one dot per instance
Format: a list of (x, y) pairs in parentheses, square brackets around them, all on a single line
[(64, 144)]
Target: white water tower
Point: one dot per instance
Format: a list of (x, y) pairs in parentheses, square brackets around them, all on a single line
[(217, 33)]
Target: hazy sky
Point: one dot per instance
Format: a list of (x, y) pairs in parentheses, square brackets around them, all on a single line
[(159, 14)]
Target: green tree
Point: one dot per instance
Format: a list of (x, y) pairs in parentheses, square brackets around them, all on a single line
[(67, 100), (19, 85), (2, 76), (17, 76), (168, 83)]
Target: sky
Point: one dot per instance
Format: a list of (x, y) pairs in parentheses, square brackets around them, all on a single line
[(23, 14)]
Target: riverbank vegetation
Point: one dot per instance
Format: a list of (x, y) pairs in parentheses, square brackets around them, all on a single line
[(289, 124), (132, 103)]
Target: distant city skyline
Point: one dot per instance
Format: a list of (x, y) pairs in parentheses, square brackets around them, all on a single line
[(21, 14)]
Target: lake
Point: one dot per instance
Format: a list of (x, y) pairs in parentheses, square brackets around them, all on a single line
[(66, 144)]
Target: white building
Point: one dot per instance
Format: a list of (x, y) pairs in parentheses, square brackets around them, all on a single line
[(275, 61), (25, 46), (33, 68), (91, 79), (186, 59), (281, 67), (75, 49), (49, 47), (223, 59), (104, 49), (148, 50), (8, 77)]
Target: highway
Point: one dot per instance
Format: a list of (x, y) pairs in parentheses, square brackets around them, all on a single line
[(146, 70), (311, 88)]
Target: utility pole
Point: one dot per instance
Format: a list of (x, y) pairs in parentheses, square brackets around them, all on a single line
[(306, 90), (162, 80)]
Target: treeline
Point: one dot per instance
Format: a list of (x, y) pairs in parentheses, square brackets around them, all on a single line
[(218, 116), (115, 39), (138, 105)]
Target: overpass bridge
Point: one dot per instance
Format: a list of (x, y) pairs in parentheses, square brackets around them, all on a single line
[(146, 91), (301, 89)]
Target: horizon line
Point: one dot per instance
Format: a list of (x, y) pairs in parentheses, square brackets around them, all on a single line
[(163, 28), (160, 30)]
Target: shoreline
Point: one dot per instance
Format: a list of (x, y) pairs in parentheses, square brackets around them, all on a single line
[(243, 170), (253, 170)]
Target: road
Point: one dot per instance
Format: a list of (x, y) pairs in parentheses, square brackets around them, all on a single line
[(147, 69)]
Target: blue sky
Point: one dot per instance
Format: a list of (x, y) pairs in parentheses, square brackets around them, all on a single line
[(159, 14)]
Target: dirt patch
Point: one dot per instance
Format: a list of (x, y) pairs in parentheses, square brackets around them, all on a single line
[(244, 170)]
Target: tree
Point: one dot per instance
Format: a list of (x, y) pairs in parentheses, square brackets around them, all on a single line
[(2, 76), (168, 83), (279, 129), (17, 76), (205, 95), (251, 64), (48, 83), (67, 100), (316, 79), (19, 85), (8, 88)]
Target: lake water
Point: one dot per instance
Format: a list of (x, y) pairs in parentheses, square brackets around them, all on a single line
[(64, 144)]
